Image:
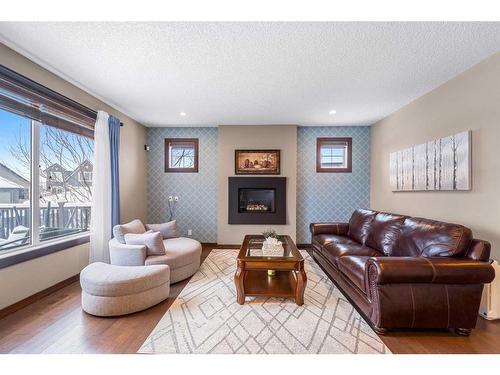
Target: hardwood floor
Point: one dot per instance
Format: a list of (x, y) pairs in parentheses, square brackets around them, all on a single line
[(56, 324), (485, 339)]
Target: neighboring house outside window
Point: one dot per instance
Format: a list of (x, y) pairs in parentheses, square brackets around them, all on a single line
[(14, 188), (49, 202), (85, 176), (56, 176)]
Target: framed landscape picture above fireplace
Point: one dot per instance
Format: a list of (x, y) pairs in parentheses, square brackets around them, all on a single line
[(257, 162)]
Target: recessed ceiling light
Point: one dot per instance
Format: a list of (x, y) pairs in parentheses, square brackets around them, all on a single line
[(332, 112), (183, 114)]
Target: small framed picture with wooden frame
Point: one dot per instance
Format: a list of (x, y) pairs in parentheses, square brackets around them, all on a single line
[(257, 162)]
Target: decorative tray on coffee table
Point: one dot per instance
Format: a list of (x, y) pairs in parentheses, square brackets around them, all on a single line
[(258, 247)]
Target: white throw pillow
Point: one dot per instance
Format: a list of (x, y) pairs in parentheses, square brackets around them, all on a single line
[(167, 230), (152, 241), (135, 226)]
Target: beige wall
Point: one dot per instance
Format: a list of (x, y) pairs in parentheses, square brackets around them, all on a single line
[(35, 275), (470, 101), (27, 278), (282, 137)]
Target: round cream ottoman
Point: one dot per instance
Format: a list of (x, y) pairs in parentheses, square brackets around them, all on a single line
[(109, 290), (183, 256)]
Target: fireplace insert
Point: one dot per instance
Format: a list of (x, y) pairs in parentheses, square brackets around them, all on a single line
[(257, 200)]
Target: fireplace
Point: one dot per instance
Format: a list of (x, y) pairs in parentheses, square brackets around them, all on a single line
[(257, 200)]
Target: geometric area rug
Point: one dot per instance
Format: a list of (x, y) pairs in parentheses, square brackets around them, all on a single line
[(205, 318)]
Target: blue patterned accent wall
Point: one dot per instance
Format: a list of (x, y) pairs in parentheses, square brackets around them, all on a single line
[(320, 196), (197, 204), (326, 197)]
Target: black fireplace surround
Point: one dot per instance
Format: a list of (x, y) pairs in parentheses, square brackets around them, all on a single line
[(257, 200)]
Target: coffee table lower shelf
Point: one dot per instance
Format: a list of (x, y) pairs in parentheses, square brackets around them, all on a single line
[(257, 283)]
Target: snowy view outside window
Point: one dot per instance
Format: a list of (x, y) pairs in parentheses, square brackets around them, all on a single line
[(333, 156), (182, 156), (65, 182)]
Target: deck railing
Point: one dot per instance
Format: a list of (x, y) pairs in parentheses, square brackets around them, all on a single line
[(52, 216)]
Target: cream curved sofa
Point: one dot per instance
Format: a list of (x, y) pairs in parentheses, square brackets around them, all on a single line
[(183, 256), (110, 290)]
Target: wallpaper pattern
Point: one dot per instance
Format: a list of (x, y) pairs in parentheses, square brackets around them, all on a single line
[(196, 209), (321, 197), (326, 197)]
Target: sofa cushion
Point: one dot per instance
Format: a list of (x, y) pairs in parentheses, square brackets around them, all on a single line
[(321, 240), (384, 232), (179, 252), (353, 267), (359, 225), (102, 279), (135, 226), (167, 230), (152, 240), (340, 229), (333, 251), (430, 238)]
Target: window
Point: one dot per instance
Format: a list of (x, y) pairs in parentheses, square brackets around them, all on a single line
[(56, 176), (65, 199), (85, 176), (181, 155), (15, 181), (46, 142), (334, 155)]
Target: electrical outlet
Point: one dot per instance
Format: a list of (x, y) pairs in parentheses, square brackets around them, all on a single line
[(190, 232)]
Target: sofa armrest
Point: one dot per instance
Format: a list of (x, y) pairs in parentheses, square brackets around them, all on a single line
[(339, 229), (401, 270), (479, 250), (126, 255)]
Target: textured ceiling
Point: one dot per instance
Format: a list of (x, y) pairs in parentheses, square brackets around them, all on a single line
[(255, 73)]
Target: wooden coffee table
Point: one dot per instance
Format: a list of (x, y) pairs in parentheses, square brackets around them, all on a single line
[(252, 278)]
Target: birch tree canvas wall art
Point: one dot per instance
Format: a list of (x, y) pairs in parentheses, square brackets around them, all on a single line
[(442, 164)]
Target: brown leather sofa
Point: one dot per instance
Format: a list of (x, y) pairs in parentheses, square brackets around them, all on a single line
[(406, 272)]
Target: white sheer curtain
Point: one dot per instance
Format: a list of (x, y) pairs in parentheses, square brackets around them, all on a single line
[(101, 192)]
